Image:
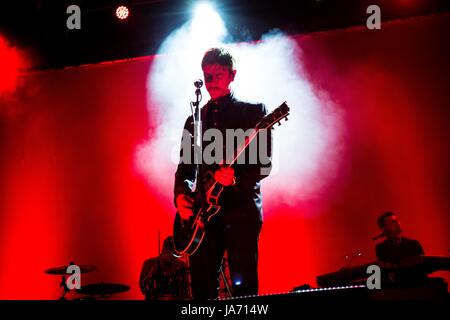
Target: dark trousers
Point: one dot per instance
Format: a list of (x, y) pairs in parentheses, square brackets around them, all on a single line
[(240, 239)]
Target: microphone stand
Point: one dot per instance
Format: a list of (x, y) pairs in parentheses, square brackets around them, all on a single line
[(198, 147), (198, 154), (197, 128), (350, 259), (63, 285)]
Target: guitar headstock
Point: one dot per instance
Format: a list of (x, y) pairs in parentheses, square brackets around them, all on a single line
[(275, 116)]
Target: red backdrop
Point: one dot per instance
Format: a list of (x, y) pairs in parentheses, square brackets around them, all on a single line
[(70, 191)]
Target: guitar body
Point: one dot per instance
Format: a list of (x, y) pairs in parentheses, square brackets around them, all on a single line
[(188, 234)]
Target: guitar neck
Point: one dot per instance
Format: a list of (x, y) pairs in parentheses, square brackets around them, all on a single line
[(266, 123), (241, 148)]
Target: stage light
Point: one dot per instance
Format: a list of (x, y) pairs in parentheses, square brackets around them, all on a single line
[(122, 12), (207, 23)]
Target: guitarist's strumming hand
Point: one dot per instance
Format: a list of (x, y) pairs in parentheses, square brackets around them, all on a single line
[(225, 176), (184, 206)]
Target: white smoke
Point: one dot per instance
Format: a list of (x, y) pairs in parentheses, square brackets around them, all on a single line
[(269, 71)]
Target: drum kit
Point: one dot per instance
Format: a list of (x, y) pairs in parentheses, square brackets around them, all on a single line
[(92, 291)]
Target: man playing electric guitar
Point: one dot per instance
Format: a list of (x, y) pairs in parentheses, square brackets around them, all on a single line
[(236, 227)]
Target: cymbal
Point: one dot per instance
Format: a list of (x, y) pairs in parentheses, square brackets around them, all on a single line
[(62, 270), (102, 289)]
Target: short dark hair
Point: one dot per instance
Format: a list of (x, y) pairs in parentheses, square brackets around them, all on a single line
[(382, 217), (219, 56)]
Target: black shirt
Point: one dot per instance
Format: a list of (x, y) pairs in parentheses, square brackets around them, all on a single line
[(393, 252)]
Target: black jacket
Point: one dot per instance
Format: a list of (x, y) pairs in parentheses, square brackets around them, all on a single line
[(245, 196)]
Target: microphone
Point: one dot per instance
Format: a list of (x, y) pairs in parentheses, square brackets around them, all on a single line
[(381, 235), (198, 83)]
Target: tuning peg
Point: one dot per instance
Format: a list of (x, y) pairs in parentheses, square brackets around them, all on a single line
[(287, 118), (279, 123)]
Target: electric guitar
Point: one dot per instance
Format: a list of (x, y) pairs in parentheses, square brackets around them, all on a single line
[(188, 233)]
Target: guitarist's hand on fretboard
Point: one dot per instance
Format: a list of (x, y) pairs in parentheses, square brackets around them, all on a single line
[(225, 176), (185, 206)]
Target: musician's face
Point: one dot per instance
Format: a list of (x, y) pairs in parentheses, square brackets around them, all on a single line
[(392, 226), (218, 79)]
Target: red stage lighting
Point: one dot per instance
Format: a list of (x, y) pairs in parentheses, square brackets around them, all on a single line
[(122, 12)]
